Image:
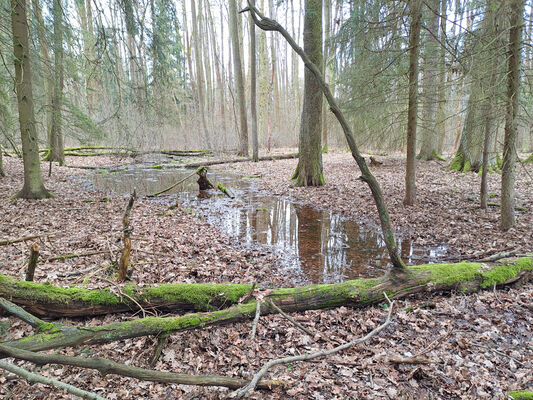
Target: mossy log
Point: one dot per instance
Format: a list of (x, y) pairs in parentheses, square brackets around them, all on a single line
[(465, 277), (53, 301)]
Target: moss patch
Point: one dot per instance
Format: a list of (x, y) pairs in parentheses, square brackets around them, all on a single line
[(200, 294), (521, 395)]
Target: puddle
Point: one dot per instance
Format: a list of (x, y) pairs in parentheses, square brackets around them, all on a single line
[(316, 245)]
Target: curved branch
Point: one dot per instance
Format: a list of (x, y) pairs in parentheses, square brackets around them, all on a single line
[(268, 24)]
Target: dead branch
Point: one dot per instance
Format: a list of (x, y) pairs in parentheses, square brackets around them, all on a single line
[(76, 255), (25, 238), (32, 263), (35, 378), (106, 366), (22, 314), (256, 320), (291, 320), (124, 262), (309, 356), (410, 360)]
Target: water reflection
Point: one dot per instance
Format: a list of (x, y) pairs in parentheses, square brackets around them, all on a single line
[(322, 245)]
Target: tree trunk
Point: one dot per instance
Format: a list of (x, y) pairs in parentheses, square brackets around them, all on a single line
[(56, 132), (237, 67), (199, 74), (513, 88), (47, 70), (253, 91), (414, 38), (440, 128), (309, 169), (428, 150), (431, 278), (33, 182)]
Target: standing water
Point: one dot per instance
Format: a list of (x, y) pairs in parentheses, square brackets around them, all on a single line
[(323, 246)]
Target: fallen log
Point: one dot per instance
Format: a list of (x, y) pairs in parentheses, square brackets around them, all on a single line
[(234, 160), (432, 278)]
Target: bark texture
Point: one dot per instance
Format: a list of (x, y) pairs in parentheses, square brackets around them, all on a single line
[(309, 169), (33, 182)]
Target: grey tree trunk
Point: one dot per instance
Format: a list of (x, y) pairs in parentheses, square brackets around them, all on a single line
[(199, 74), (56, 132), (253, 90), (428, 150), (415, 11), (309, 169), (47, 69), (513, 87), (33, 183), (237, 67)]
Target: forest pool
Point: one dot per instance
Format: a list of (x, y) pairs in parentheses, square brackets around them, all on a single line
[(319, 246)]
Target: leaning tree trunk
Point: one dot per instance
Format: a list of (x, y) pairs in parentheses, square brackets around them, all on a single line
[(513, 87), (309, 169), (33, 182)]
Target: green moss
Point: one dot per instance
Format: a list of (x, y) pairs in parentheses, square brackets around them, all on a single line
[(457, 162), (48, 293), (200, 294), (437, 156), (521, 395), (528, 160), (448, 274), (325, 149), (46, 327)]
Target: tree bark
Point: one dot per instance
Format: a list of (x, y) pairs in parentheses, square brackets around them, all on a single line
[(237, 67), (428, 150), (309, 169), (199, 74), (414, 38), (253, 91), (33, 182), (56, 132), (513, 88)]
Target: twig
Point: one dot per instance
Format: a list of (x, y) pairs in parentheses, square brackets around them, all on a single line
[(410, 360), (158, 349), (496, 294), (256, 320), (501, 353), (35, 378), (19, 312), (25, 238), (32, 263), (106, 366), (76, 255), (121, 293), (290, 319), (309, 356)]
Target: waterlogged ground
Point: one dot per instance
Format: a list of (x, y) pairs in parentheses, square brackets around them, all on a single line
[(479, 346)]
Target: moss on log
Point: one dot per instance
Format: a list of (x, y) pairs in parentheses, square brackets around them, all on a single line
[(464, 276), (52, 301)]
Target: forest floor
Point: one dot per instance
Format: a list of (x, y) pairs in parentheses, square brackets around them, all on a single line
[(478, 346)]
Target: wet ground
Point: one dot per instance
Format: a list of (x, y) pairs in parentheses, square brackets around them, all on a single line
[(321, 245)]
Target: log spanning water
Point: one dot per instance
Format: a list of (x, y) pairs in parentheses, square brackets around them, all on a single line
[(318, 246)]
